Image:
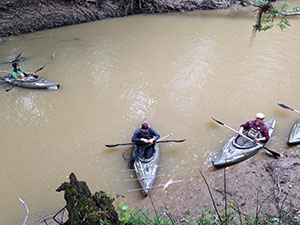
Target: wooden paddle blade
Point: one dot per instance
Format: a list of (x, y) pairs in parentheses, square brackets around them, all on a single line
[(218, 121), (284, 106)]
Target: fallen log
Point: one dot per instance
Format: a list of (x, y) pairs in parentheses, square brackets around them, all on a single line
[(85, 208)]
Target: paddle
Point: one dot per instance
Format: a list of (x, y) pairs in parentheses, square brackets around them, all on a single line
[(286, 107), (158, 141), (269, 150), (132, 143), (33, 72), (17, 57)]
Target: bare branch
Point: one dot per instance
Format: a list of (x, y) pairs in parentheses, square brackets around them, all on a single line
[(27, 211)]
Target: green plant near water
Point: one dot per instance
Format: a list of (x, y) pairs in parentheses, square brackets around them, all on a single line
[(207, 215), (270, 14)]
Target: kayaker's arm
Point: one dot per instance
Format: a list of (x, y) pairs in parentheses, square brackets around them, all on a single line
[(136, 139), (261, 139), (265, 133), (155, 134), (26, 73), (241, 131), (245, 126), (29, 73)]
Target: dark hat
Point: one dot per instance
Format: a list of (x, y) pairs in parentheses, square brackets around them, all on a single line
[(145, 126), (14, 65)]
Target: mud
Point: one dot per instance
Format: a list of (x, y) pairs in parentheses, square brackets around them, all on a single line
[(18, 17), (260, 185)]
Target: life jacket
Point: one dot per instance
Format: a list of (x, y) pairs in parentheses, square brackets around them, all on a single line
[(254, 133), (19, 73)]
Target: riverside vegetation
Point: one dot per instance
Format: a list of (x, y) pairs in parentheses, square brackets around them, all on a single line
[(46, 14), (85, 208), (275, 199)]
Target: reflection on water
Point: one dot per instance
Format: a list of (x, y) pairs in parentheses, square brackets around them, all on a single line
[(31, 109), (190, 72), (176, 70), (141, 103)]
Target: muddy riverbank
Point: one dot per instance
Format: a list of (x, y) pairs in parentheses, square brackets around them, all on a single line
[(271, 184), (18, 17), (262, 181)]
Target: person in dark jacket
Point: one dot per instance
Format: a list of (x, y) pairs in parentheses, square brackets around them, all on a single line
[(255, 129), (144, 137)]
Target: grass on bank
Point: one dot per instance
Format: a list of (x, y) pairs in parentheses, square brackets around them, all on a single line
[(209, 215), (230, 213)]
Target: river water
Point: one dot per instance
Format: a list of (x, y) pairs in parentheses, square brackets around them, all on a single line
[(177, 70)]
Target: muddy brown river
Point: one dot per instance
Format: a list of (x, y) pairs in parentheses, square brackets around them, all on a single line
[(177, 70)]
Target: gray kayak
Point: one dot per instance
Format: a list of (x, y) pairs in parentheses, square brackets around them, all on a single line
[(32, 81), (294, 136), (232, 152), (146, 169)]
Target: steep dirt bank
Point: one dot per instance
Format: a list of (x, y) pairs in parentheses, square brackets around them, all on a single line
[(18, 17), (272, 184)]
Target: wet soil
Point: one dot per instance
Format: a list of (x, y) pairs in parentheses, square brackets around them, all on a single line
[(260, 184), (272, 184), (18, 17)]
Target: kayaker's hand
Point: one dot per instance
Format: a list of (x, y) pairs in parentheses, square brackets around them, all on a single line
[(260, 139), (145, 140), (152, 140), (241, 131)]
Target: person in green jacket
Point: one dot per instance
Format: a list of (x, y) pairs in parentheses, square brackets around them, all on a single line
[(18, 73)]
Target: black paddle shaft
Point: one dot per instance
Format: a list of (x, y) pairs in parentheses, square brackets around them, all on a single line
[(132, 143)]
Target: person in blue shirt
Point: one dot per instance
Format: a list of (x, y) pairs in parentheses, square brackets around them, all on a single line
[(144, 137), (18, 73)]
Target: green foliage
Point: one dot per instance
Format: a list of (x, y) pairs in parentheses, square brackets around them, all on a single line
[(125, 213), (270, 14), (279, 9), (207, 216), (296, 9), (265, 23), (257, 2)]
